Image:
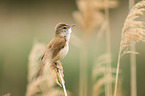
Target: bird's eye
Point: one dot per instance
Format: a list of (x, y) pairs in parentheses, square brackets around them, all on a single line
[(64, 28)]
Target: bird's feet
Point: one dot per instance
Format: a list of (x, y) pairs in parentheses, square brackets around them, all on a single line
[(56, 65), (58, 70)]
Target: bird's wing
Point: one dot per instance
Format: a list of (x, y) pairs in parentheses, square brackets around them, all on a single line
[(54, 47)]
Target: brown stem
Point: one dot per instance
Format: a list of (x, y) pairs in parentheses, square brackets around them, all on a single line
[(108, 84), (133, 62), (117, 72)]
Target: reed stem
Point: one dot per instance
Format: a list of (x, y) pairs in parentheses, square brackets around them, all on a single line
[(63, 85), (133, 62), (108, 85), (133, 72), (117, 72), (83, 68)]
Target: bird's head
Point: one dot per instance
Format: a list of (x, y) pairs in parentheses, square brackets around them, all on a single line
[(63, 29)]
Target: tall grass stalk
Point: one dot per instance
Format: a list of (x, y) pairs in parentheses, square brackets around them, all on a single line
[(44, 85), (133, 62), (99, 74), (117, 72), (89, 17), (83, 68), (108, 85), (133, 31), (63, 85), (133, 72)]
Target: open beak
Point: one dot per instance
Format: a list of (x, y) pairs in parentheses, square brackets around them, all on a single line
[(72, 25)]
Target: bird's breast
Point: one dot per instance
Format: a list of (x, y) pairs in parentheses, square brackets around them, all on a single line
[(63, 52)]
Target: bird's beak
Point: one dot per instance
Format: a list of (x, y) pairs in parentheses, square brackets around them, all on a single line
[(72, 25)]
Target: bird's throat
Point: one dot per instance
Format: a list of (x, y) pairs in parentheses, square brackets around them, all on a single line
[(68, 33)]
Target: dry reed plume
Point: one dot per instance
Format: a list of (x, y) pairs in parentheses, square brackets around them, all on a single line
[(132, 32), (34, 60), (89, 17), (99, 74), (44, 85)]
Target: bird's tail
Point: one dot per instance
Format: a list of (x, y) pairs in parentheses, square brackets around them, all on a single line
[(40, 71)]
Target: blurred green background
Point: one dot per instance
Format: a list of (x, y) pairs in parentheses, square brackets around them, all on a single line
[(23, 21)]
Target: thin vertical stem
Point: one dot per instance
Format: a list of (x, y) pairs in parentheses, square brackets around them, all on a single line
[(63, 83), (117, 72), (133, 72), (108, 85), (85, 71), (133, 62), (133, 65), (117, 69), (81, 78), (83, 68), (81, 72)]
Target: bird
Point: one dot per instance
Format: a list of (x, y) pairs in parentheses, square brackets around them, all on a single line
[(58, 47)]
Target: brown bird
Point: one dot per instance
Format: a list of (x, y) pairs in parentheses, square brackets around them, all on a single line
[(58, 47)]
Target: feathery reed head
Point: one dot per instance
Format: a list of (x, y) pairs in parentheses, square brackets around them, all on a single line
[(99, 74), (34, 60), (89, 15), (133, 30), (44, 85)]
